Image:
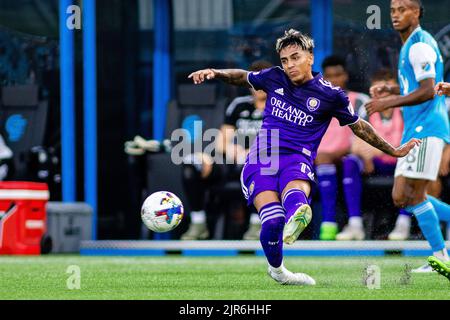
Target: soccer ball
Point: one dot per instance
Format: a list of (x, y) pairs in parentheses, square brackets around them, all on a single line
[(162, 211)]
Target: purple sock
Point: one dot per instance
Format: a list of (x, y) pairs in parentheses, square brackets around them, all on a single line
[(404, 213), (326, 174), (382, 168), (352, 167), (292, 200), (272, 223)]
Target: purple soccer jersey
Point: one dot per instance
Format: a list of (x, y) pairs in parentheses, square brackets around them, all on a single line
[(295, 120), (300, 113)]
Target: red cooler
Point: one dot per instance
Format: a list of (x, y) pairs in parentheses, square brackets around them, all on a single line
[(22, 216)]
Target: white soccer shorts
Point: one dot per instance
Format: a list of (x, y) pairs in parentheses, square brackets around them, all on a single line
[(423, 161)]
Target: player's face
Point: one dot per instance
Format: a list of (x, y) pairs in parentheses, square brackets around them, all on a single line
[(297, 63), (404, 13), (336, 75)]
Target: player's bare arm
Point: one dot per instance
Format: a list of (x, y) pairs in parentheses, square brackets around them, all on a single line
[(235, 77), (442, 88), (424, 93), (366, 132)]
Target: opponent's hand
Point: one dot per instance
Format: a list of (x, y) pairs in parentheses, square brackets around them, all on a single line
[(376, 105), (202, 75), (404, 149), (379, 90), (442, 88)]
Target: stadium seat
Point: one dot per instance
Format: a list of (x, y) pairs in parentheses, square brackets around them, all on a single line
[(22, 118)]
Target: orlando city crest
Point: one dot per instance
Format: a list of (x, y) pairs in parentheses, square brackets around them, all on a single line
[(312, 104)]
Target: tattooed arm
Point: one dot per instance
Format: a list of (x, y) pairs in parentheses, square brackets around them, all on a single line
[(236, 77), (366, 132)]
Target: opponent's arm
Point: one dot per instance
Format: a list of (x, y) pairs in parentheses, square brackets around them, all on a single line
[(424, 93), (366, 132), (237, 77)]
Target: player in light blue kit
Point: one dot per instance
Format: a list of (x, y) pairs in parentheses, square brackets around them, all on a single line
[(420, 67), (299, 107)]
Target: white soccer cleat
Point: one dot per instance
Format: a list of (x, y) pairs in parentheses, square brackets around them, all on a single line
[(400, 232), (426, 268), (351, 233), (297, 223), (286, 277)]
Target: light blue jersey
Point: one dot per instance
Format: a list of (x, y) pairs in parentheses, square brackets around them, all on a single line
[(421, 59)]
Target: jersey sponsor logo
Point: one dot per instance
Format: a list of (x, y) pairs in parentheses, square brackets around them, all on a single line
[(313, 104), (285, 111), (280, 91)]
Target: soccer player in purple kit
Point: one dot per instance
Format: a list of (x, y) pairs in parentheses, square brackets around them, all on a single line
[(299, 107)]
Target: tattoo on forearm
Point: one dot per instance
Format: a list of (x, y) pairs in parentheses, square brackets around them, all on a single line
[(234, 76), (366, 132)]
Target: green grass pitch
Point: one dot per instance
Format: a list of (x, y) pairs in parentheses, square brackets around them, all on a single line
[(210, 278)]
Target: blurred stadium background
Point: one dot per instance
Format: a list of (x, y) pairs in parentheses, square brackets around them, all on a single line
[(82, 93)]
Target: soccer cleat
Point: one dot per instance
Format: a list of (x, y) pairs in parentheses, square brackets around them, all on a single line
[(426, 268), (328, 231), (351, 233), (196, 231), (297, 223), (253, 232), (440, 266), (286, 277), (400, 232)]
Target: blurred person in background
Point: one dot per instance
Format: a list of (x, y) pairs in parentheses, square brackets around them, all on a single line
[(365, 159), (335, 144), (243, 119)]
